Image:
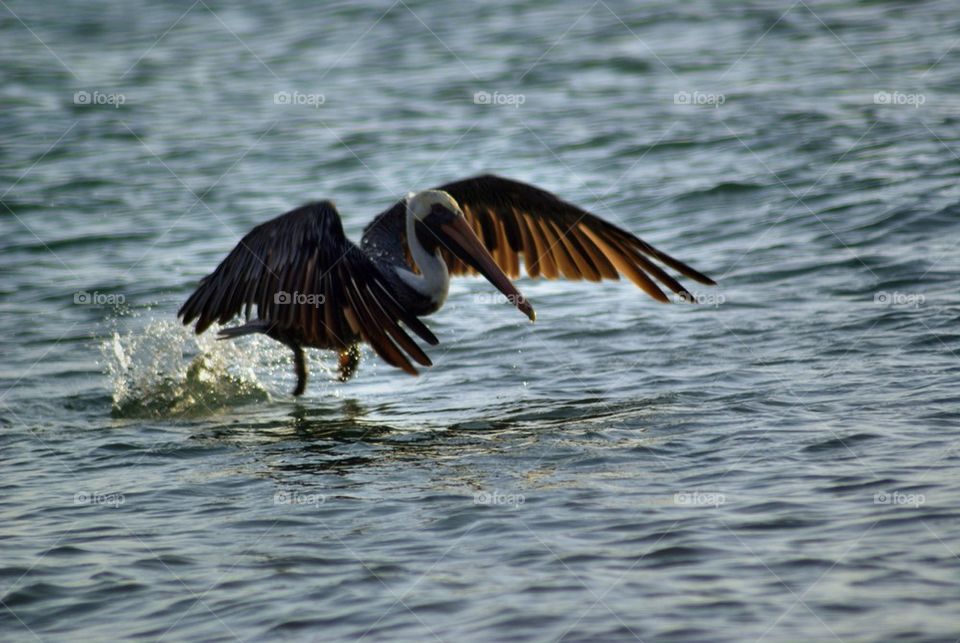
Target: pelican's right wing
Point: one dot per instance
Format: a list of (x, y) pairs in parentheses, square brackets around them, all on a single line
[(555, 238), (308, 281)]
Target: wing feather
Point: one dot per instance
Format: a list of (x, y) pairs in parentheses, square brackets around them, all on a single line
[(619, 259), (547, 260), (580, 255), (530, 246), (555, 238), (309, 285), (568, 266)]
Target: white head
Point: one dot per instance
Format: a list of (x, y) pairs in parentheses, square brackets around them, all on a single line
[(421, 203), (434, 222)]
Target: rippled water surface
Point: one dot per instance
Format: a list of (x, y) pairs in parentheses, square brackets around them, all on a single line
[(776, 463)]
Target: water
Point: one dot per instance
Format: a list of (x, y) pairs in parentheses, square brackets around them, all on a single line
[(778, 463)]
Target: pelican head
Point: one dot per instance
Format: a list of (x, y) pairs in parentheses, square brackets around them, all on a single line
[(438, 222)]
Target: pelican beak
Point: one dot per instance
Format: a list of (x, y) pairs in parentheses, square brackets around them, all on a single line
[(455, 233)]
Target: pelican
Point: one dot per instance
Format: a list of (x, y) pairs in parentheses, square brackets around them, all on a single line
[(313, 287)]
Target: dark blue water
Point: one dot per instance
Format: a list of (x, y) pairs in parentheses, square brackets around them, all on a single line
[(778, 463)]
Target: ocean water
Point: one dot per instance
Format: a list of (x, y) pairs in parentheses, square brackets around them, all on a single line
[(777, 463)]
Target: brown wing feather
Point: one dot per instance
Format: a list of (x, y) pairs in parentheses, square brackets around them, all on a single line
[(309, 285), (555, 238)]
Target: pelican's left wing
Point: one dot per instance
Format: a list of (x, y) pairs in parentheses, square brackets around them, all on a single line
[(555, 238), (311, 284)]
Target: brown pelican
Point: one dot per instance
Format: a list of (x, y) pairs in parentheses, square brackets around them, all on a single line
[(313, 287)]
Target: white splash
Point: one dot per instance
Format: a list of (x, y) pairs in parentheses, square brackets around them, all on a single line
[(164, 369)]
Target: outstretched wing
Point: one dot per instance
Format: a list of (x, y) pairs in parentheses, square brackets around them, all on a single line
[(311, 285), (554, 238)]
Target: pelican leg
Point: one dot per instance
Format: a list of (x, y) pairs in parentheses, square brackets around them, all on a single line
[(300, 366), (349, 361)]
